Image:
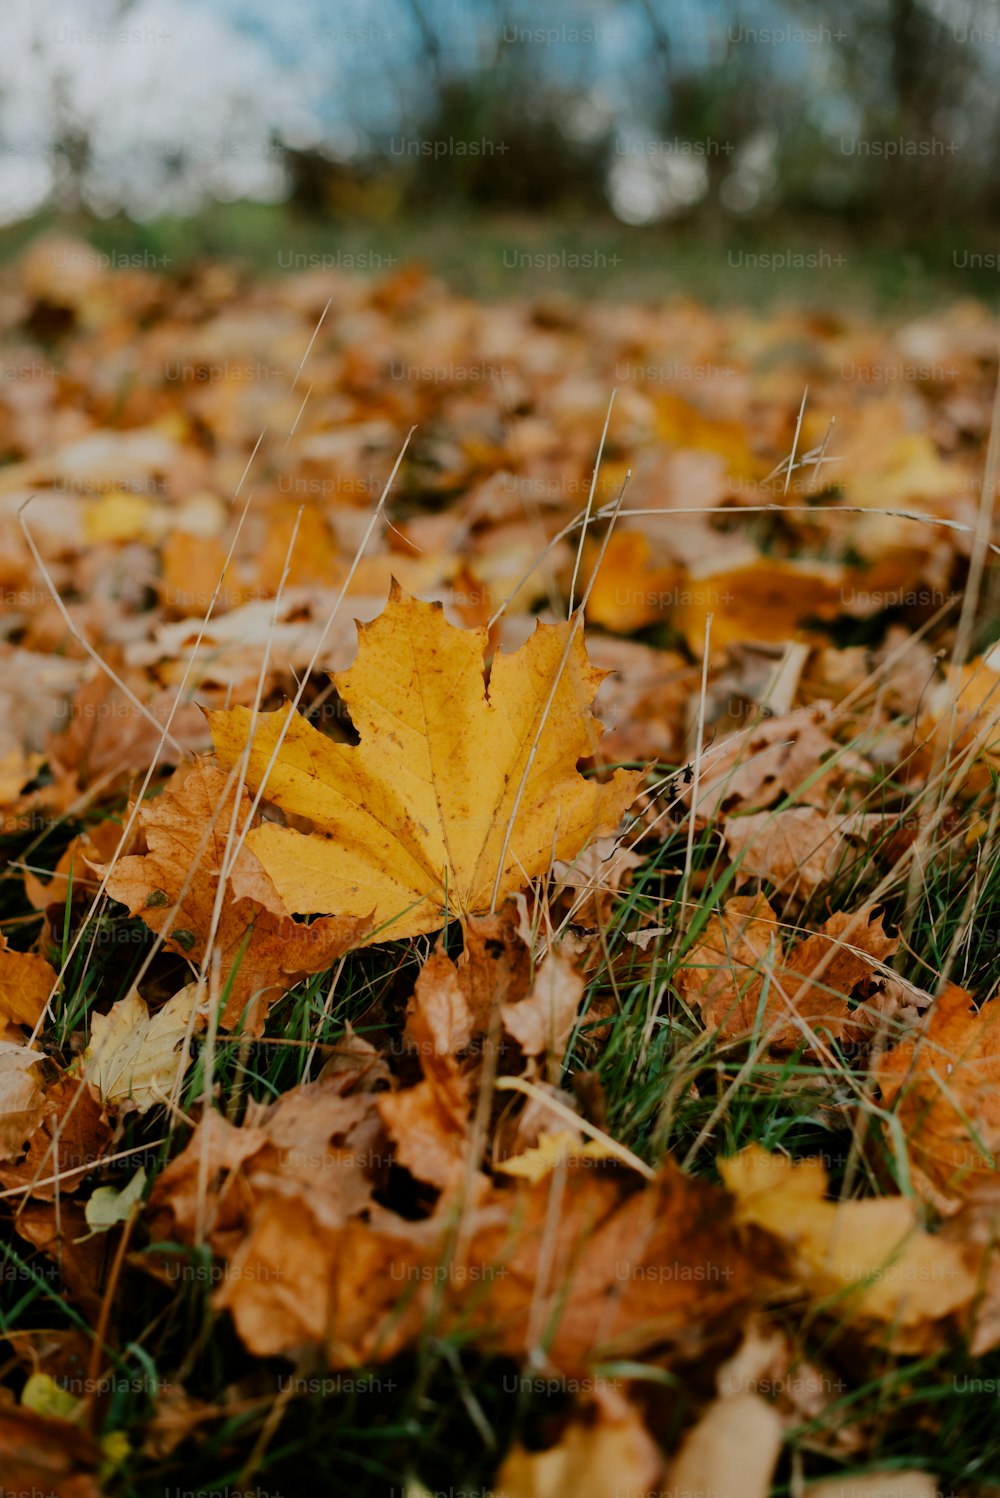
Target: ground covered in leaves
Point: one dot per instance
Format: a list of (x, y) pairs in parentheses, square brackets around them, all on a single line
[(540, 1038)]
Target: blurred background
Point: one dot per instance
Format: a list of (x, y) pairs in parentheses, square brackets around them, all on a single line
[(485, 135)]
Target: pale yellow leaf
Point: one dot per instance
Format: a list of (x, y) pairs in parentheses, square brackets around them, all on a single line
[(614, 1454), (869, 1259), (106, 1206), (731, 1452), (134, 1057), (551, 1150)]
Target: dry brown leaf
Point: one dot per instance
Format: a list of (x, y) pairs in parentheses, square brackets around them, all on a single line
[(429, 1123), (72, 874), (796, 850), (42, 1455), (944, 1087), (741, 976), (621, 1274), (495, 965), (22, 1097), (542, 1023), (189, 829), (316, 1262), (109, 736), (64, 1237), (790, 755), (73, 1132), (26, 982)]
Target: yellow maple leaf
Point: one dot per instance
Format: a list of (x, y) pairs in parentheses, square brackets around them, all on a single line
[(447, 786)]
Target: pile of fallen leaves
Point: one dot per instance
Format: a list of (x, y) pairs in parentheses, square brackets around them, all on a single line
[(386, 994)]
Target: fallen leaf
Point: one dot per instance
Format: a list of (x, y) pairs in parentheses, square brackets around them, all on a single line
[(944, 1087), (135, 1059), (553, 1150), (543, 1022), (612, 1274), (864, 1261), (22, 1097), (630, 590), (107, 1207), (26, 981), (41, 1454), (77, 1253), (795, 850), (71, 1136), (44, 1396), (731, 1452), (742, 978), (495, 965), (262, 951), (71, 876), (611, 1453), (412, 823), (119, 515), (787, 756), (429, 1123)]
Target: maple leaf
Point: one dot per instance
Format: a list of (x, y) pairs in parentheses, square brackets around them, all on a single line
[(870, 1259), (412, 823), (173, 889), (796, 849), (315, 1261), (619, 1272), (69, 1130), (944, 1087), (740, 975)]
